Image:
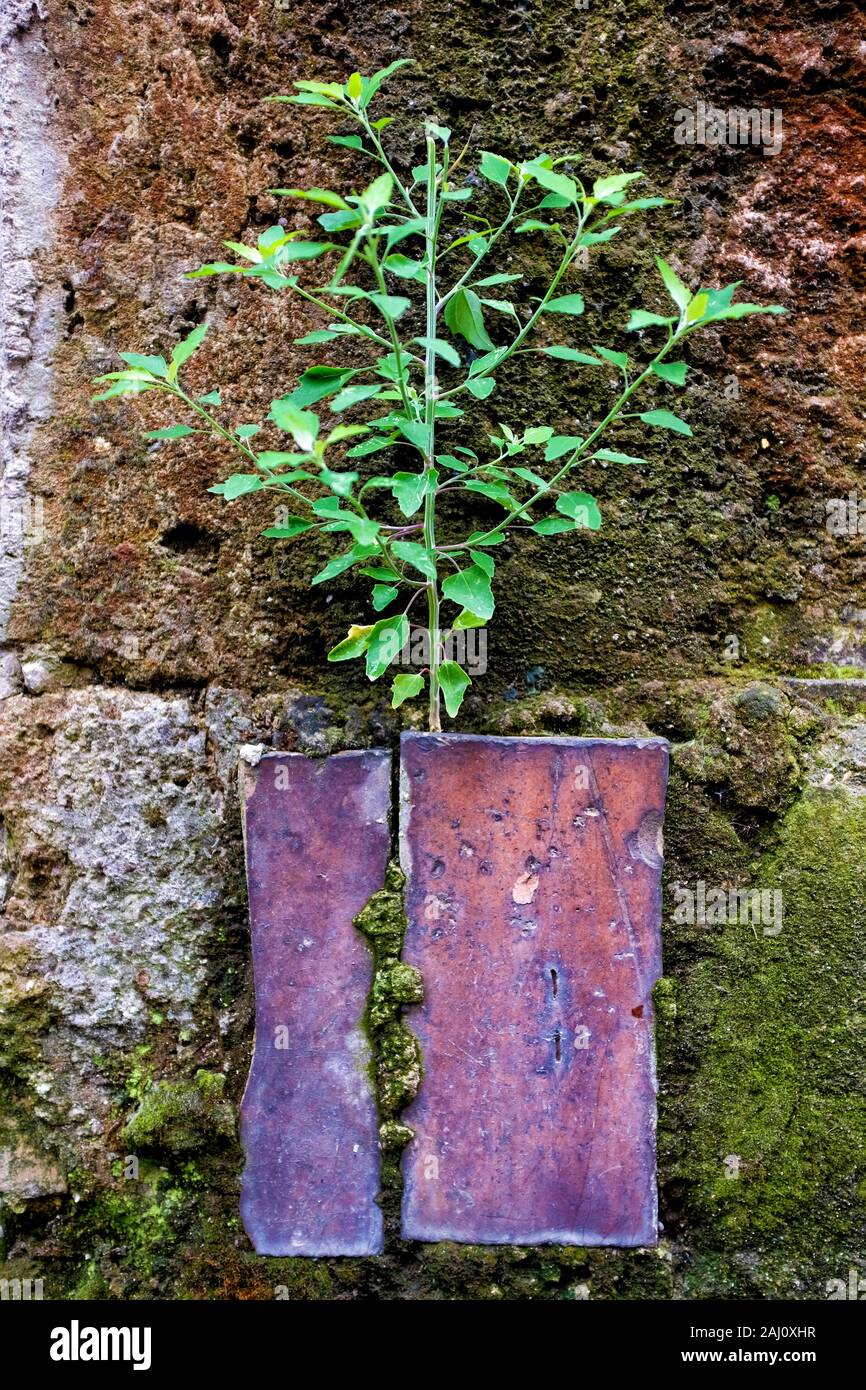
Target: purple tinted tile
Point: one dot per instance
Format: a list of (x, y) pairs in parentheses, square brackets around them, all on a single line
[(533, 899), (317, 845)]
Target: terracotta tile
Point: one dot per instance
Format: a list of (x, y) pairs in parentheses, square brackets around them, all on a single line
[(317, 846), (534, 902)]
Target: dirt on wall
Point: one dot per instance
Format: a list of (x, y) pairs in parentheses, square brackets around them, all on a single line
[(151, 630)]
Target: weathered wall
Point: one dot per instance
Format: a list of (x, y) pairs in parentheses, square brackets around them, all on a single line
[(150, 631)]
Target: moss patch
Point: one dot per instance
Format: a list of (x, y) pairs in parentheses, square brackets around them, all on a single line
[(763, 1141)]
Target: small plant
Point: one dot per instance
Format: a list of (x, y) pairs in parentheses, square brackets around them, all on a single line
[(400, 237)]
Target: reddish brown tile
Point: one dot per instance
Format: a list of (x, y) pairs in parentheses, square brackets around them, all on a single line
[(534, 900), (317, 846)]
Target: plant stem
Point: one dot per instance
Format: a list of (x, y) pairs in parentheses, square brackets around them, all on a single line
[(572, 459), (430, 230)]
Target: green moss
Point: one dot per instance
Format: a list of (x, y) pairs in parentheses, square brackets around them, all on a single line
[(26, 1011), (177, 1116), (766, 1141), (396, 1055)]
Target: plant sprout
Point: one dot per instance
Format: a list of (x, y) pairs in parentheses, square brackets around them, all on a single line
[(408, 251)]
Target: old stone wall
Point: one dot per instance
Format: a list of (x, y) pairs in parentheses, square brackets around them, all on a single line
[(148, 630)]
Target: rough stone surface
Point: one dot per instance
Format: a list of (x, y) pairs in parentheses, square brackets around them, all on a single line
[(534, 899), (146, 594), (317, 840)]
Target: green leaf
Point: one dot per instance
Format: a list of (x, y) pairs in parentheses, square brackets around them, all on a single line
[(639, 205), (157, 366), (291, 251), (740, 311), (185, 349), (352, 646), (405, 687), (302, 425), (126, 386), (414, 226), (212, 398), (529, 476), (470, 588), (697, 307), (378, 572), (560, 445), (486, 562), (318, 382), (327, 506), (678, 292), (416, 556), (567, 354), (306, 99), (241, 483), (454, 682), (449, 461), (484, 538), (641, 318), (537, 434), (487, 361), (247, 431), (494, 168), (342, 484), (341, 432), (349, 142), (495, 491), (293, 526), (556, 183), (463, 316), (532, 224), (249, 253), (372, 84), (675, 372), (325, 89), (480, 386), (372, 445), (565, 304), (387, 640), (613, 184), (552, 526), (594, 238), (663, 419), (383, 594), (344, 562), (172, 432), (311, 195), (275, 458), (355, 87), (441, 349), (377, 196), (361, 528), (466, 620), (320, 335), (340, 221), (212, 268), (619, 359), (391, 306), (417, 433), (611, 456), (353, 395), (409, 490), (582, 509), (496, 280), (404, 267)]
